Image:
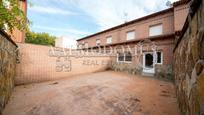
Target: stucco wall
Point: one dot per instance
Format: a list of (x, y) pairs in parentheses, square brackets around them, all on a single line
[(37, 65), (7, 68), (189, 64)]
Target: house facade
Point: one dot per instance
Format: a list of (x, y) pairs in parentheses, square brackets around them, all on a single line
[(152, 37)]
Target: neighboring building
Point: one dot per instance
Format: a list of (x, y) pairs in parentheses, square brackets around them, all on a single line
[(161, 28), (65, 42), (17, 35)]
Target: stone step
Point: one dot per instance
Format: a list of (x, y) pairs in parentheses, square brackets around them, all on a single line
[(148, 74)]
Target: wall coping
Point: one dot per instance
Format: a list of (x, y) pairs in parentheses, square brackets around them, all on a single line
[(8, 37)]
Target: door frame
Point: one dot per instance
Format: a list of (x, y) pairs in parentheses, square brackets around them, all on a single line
[(145, 69)]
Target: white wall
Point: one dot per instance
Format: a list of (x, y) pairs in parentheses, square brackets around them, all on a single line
[(65, 42)]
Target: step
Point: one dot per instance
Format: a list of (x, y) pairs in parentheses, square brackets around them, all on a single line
[(148, 74)]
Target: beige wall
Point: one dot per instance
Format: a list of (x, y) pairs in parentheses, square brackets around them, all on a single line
[(36, 65)]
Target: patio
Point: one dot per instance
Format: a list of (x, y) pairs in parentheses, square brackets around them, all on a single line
[(104, 93)]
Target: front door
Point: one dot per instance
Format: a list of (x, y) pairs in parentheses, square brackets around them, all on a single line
[(148, 64)]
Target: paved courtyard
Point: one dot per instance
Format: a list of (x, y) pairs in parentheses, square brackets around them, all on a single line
[(104, 93)]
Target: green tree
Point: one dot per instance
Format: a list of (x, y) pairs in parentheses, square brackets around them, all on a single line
[(40, 38), (12, 17)]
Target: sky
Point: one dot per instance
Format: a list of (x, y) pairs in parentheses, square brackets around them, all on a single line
[(79, 18)]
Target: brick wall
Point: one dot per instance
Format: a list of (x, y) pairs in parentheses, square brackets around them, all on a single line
[(180, 14), (141, 29), (7, 68), (36, 65), (172, 21)]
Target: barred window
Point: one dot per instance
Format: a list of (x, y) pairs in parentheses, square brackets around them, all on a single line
[(128, 56), (124, 57), (121, 57)]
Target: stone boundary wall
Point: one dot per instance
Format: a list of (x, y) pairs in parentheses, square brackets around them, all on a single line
[(8, 57), (38, 65), (189, 62)]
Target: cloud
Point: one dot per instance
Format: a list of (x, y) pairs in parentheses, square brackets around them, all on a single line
[(103, 13), (50, 10), (69, 31), (109, 13)]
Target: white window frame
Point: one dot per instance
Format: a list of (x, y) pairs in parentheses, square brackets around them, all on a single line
[(118, 61), (97, 42), (132, 33), (79, 46), (154, 28), (109, 40), (161, 58), (86, 45)]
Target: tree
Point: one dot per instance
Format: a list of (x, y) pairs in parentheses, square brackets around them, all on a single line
[(12, 16), (40, 38)]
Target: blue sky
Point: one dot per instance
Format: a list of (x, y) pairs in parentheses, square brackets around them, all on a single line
[(78, 18)]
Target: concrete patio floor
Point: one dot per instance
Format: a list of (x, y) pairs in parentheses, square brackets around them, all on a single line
[(104, 93)]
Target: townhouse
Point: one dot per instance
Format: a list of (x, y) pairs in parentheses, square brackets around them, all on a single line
[(160, 29)]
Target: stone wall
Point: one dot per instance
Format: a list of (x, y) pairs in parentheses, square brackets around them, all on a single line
[(189, 62), (7, 68), (163, 72), (126, 67), (38, 64)]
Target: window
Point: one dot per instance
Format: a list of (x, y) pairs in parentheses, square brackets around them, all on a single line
[(121, 57), (130, 35), (86, 45), (82, 46), (124, 57), (98, 42), (155, 30), (109, 40), (159, 58), (79, 46), (128, 56)]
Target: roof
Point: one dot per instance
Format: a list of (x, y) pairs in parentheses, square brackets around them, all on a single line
[(139, 19), (130, 22)]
